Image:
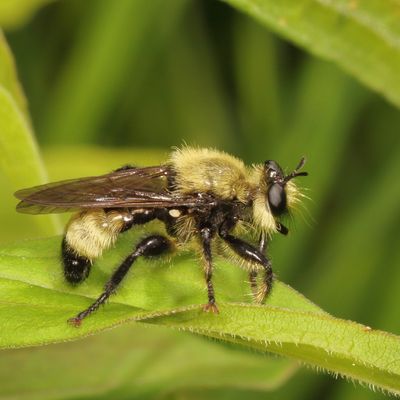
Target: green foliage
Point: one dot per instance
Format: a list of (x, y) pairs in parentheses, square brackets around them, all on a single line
[(16, 12), (20, 162), (130, 362), (106, 50), (37, 304), (360, 36), (8, 77), (149, 75)]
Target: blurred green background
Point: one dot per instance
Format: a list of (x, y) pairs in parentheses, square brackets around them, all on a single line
[(116, 82)]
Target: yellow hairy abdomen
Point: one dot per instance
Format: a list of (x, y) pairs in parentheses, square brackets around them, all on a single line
[(210, 171), (90, 232)]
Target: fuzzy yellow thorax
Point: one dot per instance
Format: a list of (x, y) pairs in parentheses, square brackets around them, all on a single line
[(209, 170)]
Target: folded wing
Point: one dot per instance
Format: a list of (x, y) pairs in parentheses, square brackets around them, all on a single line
[(128, 188)]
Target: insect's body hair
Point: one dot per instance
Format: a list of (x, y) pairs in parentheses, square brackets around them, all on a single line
[(236, 188), (91, 232), (207, 200), (210, 171), (227, 178)]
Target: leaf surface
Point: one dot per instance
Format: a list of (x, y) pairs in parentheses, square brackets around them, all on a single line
[(362, 37), (35, 304), (135, 361), (16, 12), (20, 162)]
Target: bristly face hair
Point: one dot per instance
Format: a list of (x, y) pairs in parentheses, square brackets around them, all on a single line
[(200, 195)]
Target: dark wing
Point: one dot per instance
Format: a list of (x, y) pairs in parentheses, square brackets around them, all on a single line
[(128, 188)]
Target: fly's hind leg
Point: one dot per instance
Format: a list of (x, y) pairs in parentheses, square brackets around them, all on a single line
[(88, 234), (151, 246), (84, 239)]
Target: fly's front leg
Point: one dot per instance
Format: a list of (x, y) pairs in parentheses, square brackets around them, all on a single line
[(151, 246), (253, 282), (206, 234), (262, 247), (255, 257), (263, 243)]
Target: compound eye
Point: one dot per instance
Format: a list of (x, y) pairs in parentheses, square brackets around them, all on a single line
[(277, 199)]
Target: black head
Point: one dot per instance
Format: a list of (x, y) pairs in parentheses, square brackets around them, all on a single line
[(276, 182)]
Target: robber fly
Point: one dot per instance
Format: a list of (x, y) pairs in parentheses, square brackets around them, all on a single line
[(203, 196)]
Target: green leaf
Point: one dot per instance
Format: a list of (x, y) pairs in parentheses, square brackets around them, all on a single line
[(119, 362), (9, 78), (20, 162), (35, 303), (363, 37), (16, 12)]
